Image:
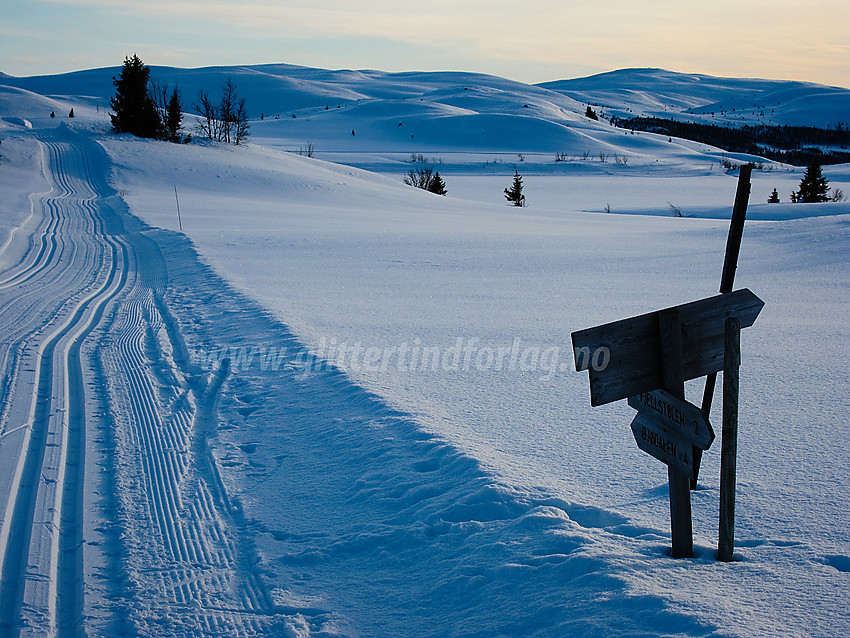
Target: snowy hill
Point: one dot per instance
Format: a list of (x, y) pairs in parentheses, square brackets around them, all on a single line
[(703, 98), (425, 110), (21, 103), (421, 111)]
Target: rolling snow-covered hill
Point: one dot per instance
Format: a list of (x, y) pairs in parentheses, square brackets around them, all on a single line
[(421, 111), (712, 100)]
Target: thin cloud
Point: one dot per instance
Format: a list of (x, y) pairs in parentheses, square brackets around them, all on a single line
[(780, 38)]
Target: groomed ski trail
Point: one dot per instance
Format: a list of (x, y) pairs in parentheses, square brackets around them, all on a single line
[(113, 516), (73, 280)]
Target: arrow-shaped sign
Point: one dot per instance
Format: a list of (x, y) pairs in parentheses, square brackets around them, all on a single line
[(681, 417), (665, 445)]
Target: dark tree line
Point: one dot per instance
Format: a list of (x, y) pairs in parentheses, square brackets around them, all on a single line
[(147, 108), (795, 145)]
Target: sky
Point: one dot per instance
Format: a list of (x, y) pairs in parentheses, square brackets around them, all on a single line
[(526, 40)]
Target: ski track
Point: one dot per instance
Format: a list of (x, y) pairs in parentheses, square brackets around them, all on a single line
[(96, 389)]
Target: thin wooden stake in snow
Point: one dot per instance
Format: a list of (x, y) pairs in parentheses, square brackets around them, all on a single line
[(179, 221)]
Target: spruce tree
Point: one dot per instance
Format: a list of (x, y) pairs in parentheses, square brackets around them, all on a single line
[(814, 187), (514, 193), (437, 185), (135, 111), (774, 197), (173, 117)]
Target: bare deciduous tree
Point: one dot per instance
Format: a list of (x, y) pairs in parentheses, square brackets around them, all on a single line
[(228, 120), (208, 125), (419, 178)]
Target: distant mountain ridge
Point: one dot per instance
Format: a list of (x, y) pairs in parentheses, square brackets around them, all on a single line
[(625, 92), (709, 99), (414, 112)]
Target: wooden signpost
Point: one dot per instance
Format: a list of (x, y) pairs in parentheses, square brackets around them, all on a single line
[(668, 428), (647, 359)]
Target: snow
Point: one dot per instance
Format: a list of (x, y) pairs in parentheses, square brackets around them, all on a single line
[(445, 475), (729, 101)]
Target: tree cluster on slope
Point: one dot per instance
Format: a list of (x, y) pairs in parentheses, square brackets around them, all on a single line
[(427, 179), (797, 145), (147, 108)]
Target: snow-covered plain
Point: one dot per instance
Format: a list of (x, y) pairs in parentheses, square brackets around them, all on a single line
[(445, 474)]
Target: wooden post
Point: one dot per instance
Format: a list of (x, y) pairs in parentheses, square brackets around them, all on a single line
[(729, 444), (673, 381), (727, 279)]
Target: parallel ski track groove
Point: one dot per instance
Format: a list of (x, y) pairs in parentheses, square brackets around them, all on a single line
[(189, 525), (18, 319), (43, 484)]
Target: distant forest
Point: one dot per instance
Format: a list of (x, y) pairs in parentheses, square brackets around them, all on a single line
[(796, 145)]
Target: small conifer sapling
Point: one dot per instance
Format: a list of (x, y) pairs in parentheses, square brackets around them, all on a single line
[(514, 193)]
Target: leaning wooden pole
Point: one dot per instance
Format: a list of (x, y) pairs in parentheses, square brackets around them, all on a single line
[(727, 280), (729, 442)]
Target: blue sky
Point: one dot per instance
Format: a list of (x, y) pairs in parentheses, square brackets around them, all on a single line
[(527, 40)]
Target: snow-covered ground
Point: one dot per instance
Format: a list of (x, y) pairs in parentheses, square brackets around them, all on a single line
[(433, 466)]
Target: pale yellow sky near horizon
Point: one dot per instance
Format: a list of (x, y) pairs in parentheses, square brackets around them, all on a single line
[(532, 41)]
